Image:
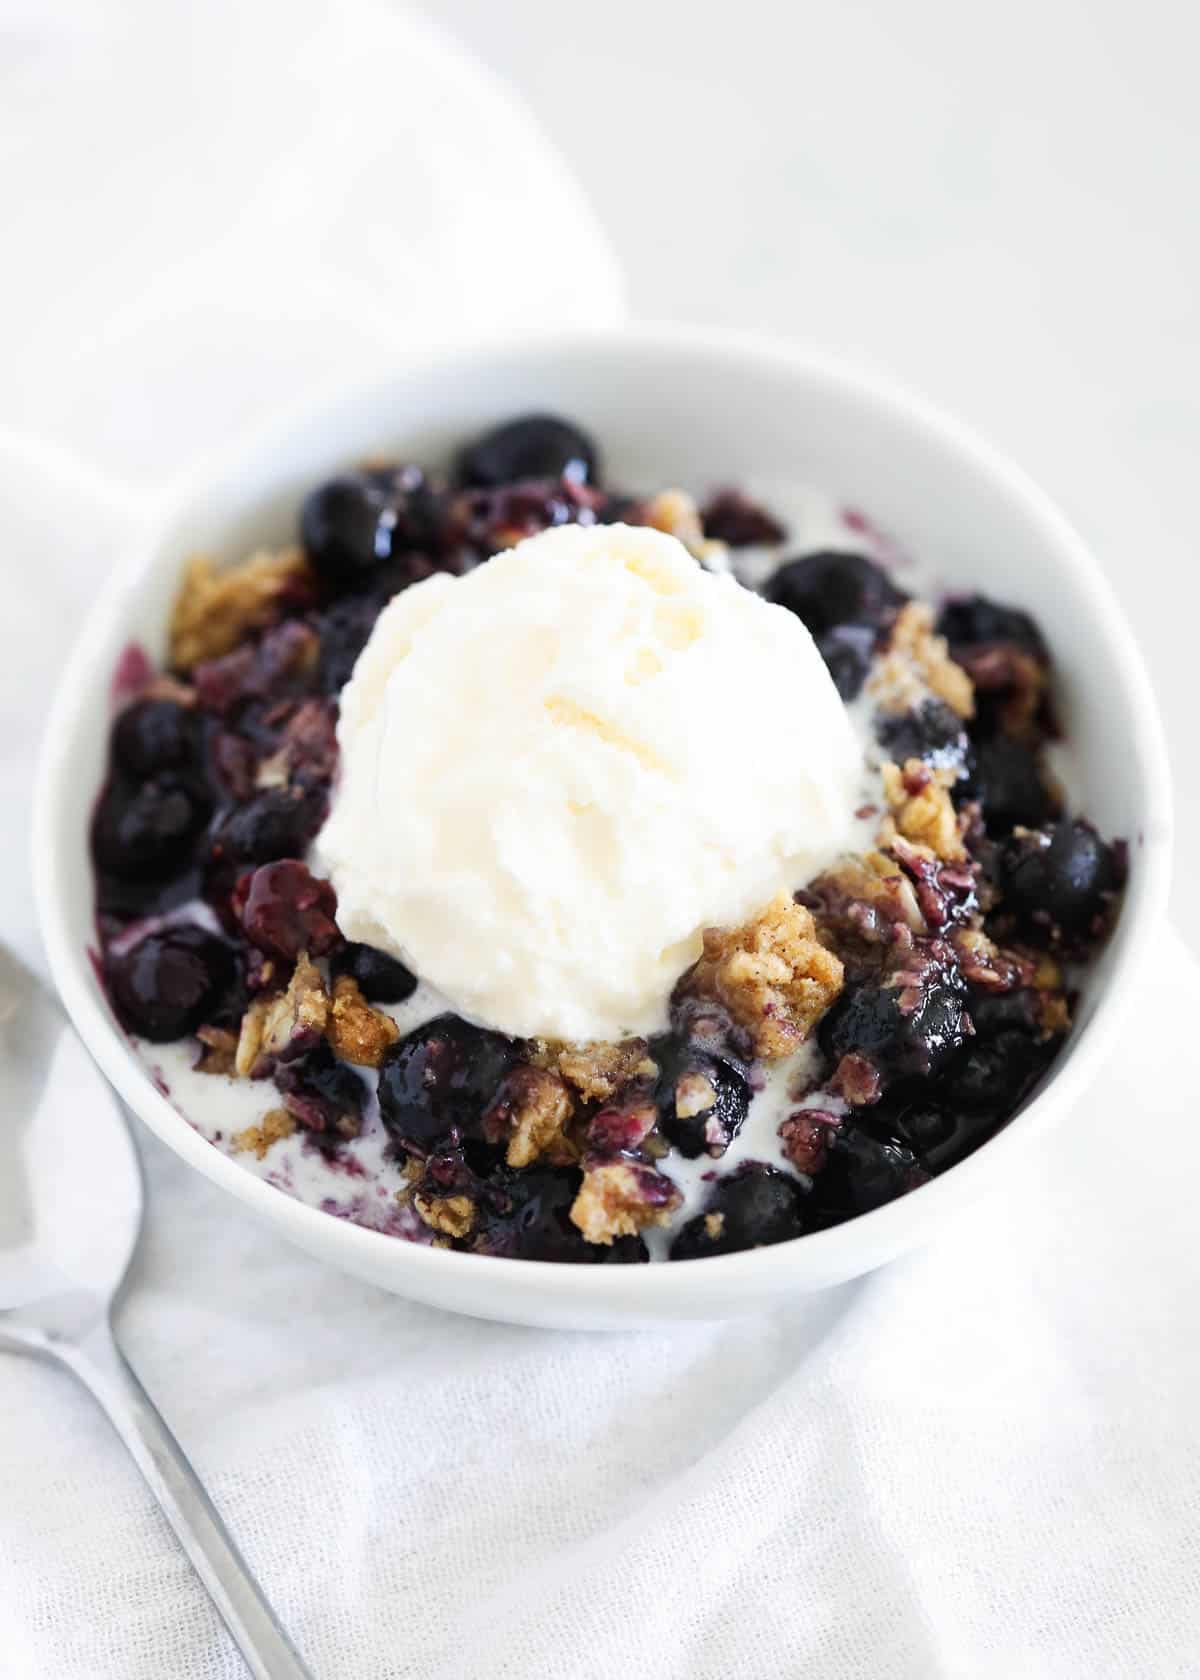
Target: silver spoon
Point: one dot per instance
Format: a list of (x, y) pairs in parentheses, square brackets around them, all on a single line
[(70, 1214)]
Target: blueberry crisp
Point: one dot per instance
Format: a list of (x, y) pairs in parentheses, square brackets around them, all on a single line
[(858, 1033)]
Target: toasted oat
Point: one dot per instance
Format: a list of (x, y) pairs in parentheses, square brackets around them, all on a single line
[(773, 975), (676, 513), (619, 1198), (536, 1105), (597, 1071), (863, 898), (277, 1123), (985, 965), (217, 606), (921, 809), (452, 1216), (918, 662), (356, 1032), (714, 1226), (294, 1019), (219, 1052)]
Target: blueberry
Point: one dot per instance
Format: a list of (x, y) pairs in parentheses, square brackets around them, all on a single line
[(862, 1172), (909, 1026), (993, 1075), (484, 522), (343, 632), (354, 525), (170, 983), (439, 1079), (152, 736), (1061, 878), (145, 831), (381, 979), (285, 909), (323, 1094), (847, 650), (534, 446), (702, 1099), (749, 1208), (1006, 778), (526, 1215), (828, 589), (277, 823), (975, 620), (730, 517), (933, 732)]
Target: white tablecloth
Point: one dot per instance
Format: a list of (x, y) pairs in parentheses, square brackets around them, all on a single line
[(981, 1462)]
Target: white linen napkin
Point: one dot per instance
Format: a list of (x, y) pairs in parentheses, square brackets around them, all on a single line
[(981, 1462)]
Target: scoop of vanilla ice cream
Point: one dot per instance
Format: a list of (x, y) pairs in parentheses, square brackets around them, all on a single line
[(560, 768)]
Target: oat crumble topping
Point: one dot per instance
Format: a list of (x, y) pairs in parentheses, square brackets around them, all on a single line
[(620, 1198), (452, 1216), (293, 1019), (773, 974), (275, 1124), (921, 809), (597, 1071), (356, 1032), (918, 660), (217, 607)]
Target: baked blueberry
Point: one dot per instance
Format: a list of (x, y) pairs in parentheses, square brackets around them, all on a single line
[(977, 620), (171, 982), (533, 446), (146, 830), (863, 1171), (1060, 878), (932, 732), (356, 524), (994, 1074), (830, 588), (1006, 777), (731, 517), (702, 1098), (285, 909), (381, 979), (847, 650), (276, 823), (343, 631), (526, 1215), (438, 1080), (323, 1094), (910, 1024), (153, 736), (749, 1208)]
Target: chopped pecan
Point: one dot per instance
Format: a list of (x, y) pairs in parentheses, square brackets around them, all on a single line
[(218, 606), (862, 900), (986, 965), (356, 1032), (284, 1025), (773, 974), (532, 1110), (275, 1124), (220, 1050), (597, 1071), (919, 802), (619, 1198), (805, 1137), (452, 1216), (917, 662)]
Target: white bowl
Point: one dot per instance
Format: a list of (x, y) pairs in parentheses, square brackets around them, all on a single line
[(693, 407)]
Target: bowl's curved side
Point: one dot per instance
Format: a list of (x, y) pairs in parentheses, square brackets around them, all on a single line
[(705, 387)]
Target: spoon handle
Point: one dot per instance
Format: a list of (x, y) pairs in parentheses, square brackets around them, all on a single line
[(99, 1364)]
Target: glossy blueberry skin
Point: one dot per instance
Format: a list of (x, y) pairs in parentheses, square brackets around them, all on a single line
[(899, 1039), (933, 733), (1005, 776), (978, 621), (1060, 879), (862, 1172), (532, 446), (171, 982), (438, 1080), (526, 1215), (145, 830), (277, 823), (323, 1094), (832, 588), (353, 526), (711, 1131), (380, 978), (757, 1204), (154, 736)]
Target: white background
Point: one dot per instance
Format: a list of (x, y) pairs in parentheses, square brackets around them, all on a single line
[(997, 204)]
